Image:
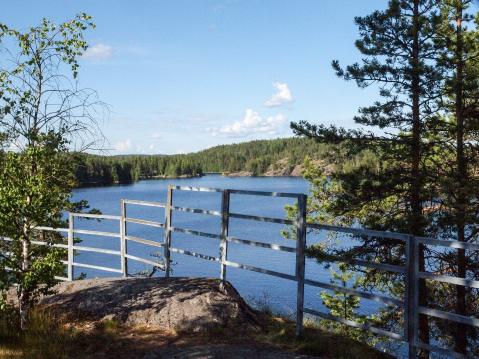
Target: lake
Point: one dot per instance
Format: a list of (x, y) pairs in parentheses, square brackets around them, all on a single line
[(258, 289)]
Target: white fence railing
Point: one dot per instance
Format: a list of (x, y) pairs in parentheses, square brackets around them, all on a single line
[(409, 302)]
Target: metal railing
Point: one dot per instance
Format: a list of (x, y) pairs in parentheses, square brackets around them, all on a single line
[(410, 270)]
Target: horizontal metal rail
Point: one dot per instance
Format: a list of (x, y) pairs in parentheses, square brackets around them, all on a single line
[(144, 222), (95, 216), (451, 244), (145, 261), (97, 250), (360, 231), (51, 229), (91, 266), (39, 243), (264, 193), (237, 191), (96, 233), (144, 241), (396, 235), (366, 295), (275, 247), (195, 233), (458, 318), (194, 254), (55, 245), (449, 279), (261, 218), (196, 189), (197, 210), (260, 270), (352, 323), (144, 203)]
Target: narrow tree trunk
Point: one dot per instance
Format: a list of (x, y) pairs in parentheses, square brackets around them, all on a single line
[(24, 295), (461, 332), (416, 186)]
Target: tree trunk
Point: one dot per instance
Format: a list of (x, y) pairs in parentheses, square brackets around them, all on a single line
[(461, 332), (24, 295), (417, 222)]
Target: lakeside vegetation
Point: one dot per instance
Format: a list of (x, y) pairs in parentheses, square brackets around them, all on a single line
[(279, 156)]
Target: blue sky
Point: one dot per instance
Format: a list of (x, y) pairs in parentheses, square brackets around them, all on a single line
[(181, 76)]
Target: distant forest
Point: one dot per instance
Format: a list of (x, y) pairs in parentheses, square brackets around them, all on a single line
[(254, 157)]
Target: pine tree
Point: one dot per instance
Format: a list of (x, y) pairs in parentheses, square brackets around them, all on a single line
[(457, 140), (399, 58)]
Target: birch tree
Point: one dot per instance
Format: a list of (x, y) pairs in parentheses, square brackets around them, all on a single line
[(44, 115)]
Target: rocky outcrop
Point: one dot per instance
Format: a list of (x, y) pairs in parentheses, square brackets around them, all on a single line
[(282, 168), (181, 304), (297, 171)]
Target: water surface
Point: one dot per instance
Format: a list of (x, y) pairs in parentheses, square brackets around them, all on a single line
[(277, 293)]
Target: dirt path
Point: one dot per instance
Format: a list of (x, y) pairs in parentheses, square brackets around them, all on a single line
[(223, 351), (152, 344)]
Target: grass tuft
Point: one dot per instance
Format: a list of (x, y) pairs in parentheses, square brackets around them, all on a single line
[(315, 341), (44, 337)]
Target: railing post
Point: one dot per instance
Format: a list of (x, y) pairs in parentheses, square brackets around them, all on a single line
[(167, 240), (123, 243), (70, 272), (300, 261), (411, 296), (225, 208)]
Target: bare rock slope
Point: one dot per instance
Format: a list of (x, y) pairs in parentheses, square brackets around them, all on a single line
[(177, 303)]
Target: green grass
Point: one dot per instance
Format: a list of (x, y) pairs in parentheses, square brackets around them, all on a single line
[(51, 337), (44, 338), (48, 336), (315, 341)]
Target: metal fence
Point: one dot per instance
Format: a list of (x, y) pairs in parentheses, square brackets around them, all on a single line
[(410, 270)]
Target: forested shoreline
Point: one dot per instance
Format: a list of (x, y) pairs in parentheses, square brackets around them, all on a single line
[(253, 158)]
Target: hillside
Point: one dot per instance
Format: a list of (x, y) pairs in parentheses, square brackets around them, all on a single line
[(261, 157)]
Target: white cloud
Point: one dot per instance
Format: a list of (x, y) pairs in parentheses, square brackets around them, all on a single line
[(283, 95), (252, 123), (98, 52), (123, 146)]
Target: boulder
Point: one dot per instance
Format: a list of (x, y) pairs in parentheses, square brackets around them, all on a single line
[(181, 304)]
